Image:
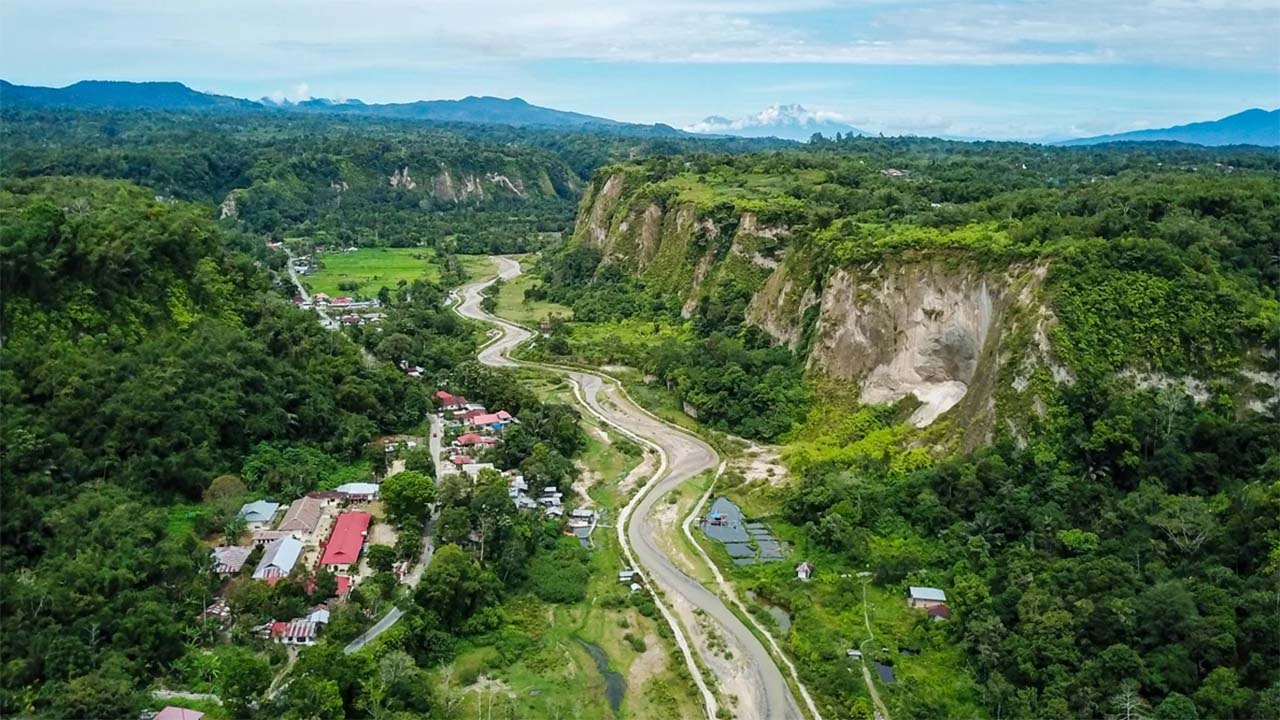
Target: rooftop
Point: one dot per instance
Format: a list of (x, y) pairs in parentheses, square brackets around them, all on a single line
[(347, 539), (928, 593), (259, 511)]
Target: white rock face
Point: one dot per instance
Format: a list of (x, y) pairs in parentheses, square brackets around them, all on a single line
[(918, 329), (401, 179), (228, 209)]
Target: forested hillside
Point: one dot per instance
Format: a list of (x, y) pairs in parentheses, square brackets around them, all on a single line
[(1043, 379), (338, 180), (143, 356)]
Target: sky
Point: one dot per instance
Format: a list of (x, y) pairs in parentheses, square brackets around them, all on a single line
[(1029, 69)]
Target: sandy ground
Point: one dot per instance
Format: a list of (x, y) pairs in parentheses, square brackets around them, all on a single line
[(638, 475), (601, 435), (649, 663), (587, 479), (761, 463)]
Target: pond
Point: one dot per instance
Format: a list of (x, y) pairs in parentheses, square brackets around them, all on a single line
[(614, 684), (747, 541), (780, 616)]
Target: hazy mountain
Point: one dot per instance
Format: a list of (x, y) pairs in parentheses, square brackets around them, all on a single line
[(97, 94), (792, 122), (1251, 127)]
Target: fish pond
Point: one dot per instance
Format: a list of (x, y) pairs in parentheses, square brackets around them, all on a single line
[(748, 542)]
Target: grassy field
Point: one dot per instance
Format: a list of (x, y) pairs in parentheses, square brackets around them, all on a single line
[(477, 267), (513, 306), (370, 269)]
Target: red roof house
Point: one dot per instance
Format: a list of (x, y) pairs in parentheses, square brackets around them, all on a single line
[(461, 460), (469, 439), (449, 401), (347, 539)]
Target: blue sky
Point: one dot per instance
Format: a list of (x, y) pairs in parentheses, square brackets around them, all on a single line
[(997, 68)]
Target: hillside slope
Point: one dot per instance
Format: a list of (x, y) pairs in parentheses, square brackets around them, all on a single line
[(956, 309)]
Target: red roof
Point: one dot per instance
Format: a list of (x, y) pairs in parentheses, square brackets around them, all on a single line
[(471, 414), (462, 460), (347, 539), (474, 439), (450, 399), (489, 418), (941, 611)]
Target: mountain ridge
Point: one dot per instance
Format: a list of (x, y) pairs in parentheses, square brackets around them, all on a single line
[(169, 95), (1254, 126)]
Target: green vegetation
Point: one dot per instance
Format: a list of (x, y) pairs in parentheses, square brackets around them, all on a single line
[(142, 359), (363, 272)]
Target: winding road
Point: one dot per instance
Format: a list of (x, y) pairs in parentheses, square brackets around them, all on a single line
[(757, 681)]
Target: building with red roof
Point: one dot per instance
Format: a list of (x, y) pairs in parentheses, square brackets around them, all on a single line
[(469, 439), (342, 550), (178, 713), (449, 401), (461, 460)]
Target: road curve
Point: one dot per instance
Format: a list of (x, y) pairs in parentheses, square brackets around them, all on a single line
[(686, 456)]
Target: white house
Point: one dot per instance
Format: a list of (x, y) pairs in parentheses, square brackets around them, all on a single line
[(278, 559), (925, 597), (259, 513)]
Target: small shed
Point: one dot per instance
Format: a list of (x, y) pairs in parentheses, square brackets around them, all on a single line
[(804, 571), (925, 597)]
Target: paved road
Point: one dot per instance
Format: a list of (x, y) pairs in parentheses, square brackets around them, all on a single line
[(686, 456)]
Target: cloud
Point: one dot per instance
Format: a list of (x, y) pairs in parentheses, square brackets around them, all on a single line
[(298, 93), (288, 36)]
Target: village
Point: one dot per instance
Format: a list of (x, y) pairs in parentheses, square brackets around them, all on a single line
[(330, 532)]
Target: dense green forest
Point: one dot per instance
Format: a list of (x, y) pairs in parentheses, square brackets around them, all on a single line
[(1111, 537), (330, 179), (1114, 540)]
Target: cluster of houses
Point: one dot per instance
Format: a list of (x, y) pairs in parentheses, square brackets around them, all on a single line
[(321, 530), (482, 430), (353, 312)]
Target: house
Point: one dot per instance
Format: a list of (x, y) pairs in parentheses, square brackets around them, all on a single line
[(319, 614), (265, 536), (893, 172), (627, 575), (473, 469), (218, 611), (469, 439), (925, 597), (342, 550), (853, 653), (461, 460), (229, 559), (320, 299), (583, 514), (471, 412), (303, 515), (295, 632), (278, 559), (804, 571), (177, 713), (359, 490), (258, 514), (939, 613), (495, 421), (554, 511), (449, 401)]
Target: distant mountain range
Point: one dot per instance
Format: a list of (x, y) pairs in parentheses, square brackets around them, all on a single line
[(101, 94), (790, 122), (1251, 127)]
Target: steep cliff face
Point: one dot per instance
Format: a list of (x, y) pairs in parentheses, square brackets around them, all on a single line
[(956, 336)]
